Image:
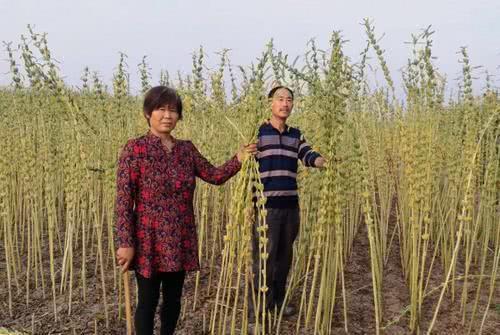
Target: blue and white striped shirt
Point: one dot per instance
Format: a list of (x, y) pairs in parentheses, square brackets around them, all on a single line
[(277, 156)]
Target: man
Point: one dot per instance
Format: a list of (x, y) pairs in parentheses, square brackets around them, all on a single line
[(279, 149)]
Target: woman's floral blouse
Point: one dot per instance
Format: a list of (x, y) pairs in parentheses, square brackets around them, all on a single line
[(154, 202)]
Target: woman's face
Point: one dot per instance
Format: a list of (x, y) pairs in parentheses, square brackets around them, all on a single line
[(164, 119)]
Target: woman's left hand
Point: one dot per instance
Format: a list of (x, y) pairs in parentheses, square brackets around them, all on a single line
[(245, 150)]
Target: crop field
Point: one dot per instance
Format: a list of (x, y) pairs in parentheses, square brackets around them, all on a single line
[(400, 234)]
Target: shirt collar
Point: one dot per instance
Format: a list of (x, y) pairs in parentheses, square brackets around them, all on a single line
[(153, 139), (267, 123)]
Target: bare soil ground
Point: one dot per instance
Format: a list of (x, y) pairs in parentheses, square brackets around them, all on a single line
[(88, 317)]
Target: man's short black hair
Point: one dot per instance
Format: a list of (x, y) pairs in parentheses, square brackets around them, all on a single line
[(271, 92)]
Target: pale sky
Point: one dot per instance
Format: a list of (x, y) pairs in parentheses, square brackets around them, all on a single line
[(92, 33)]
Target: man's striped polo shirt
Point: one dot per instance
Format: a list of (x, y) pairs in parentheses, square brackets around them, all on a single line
[(277, 156)]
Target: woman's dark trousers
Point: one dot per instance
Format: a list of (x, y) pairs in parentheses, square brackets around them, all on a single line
[(149, 293)]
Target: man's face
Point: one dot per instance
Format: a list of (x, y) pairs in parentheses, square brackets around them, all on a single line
[(282, 103)]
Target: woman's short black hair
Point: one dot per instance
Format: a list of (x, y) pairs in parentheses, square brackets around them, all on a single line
[(271, 92), (160, 96)]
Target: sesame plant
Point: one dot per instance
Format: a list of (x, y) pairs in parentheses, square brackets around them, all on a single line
[(416, 175)]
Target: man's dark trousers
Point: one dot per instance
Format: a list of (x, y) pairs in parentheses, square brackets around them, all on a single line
[(283, 227)]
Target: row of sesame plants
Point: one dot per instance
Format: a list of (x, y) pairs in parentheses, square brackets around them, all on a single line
[(419, 174)]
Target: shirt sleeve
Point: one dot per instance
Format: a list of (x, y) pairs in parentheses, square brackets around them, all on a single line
[(211, 174), (126, 187), (306, 154)]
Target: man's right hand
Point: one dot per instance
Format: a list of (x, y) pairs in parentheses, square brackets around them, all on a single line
[(125, 257)]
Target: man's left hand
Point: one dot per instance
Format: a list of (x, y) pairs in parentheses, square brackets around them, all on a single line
[(320, 162)]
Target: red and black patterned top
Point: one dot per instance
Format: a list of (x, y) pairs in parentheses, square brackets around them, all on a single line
[(154, 202)]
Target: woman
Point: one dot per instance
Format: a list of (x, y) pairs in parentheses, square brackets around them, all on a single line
[(155, 227)]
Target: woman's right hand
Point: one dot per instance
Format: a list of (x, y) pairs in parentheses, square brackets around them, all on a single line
[(246, 150), (125, 257)]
